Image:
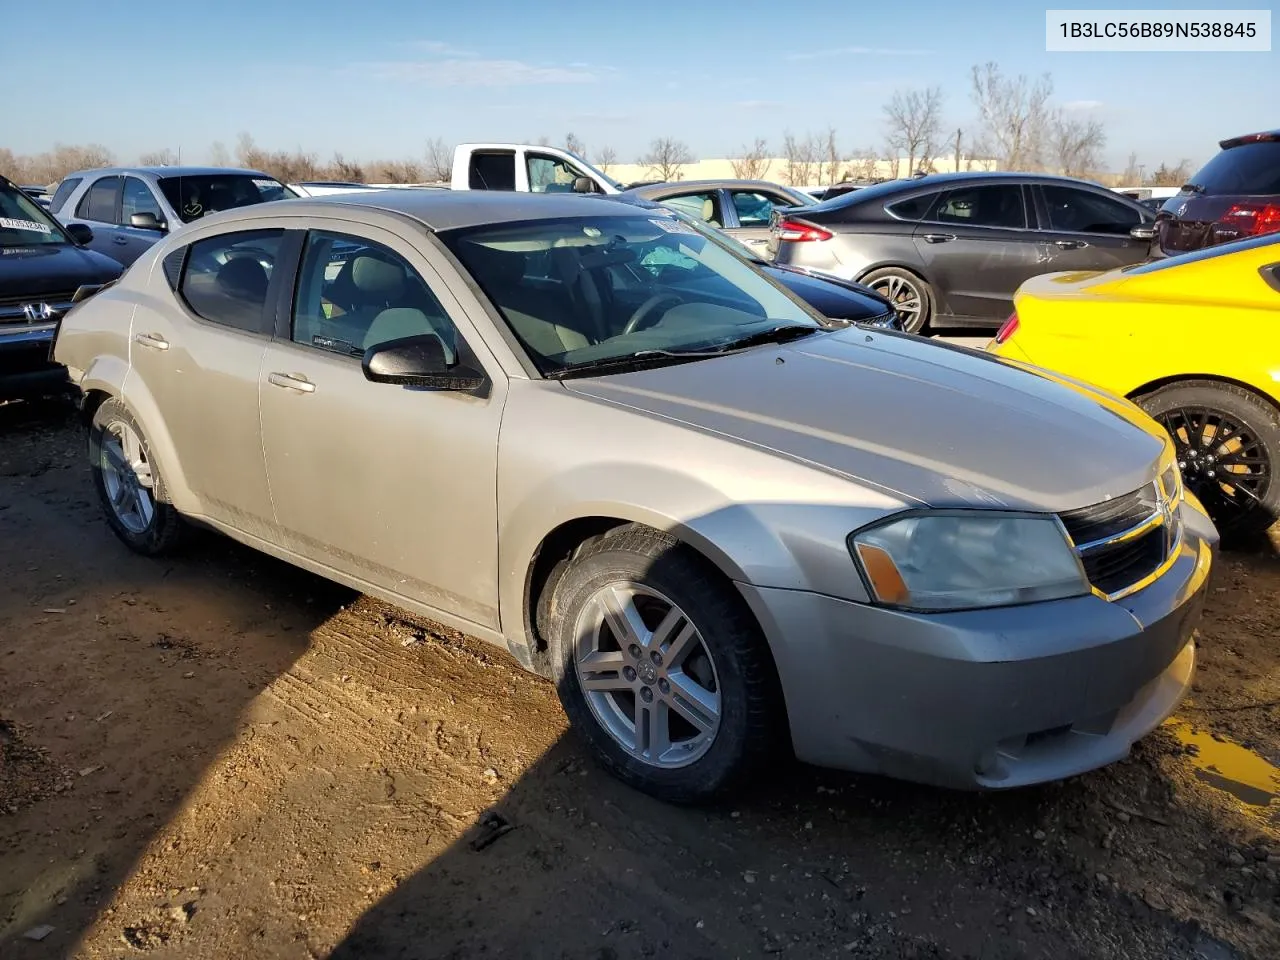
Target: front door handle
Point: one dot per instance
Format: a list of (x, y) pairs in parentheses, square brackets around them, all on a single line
[(120, 240), (1070, 244), (152, 340), (938, 237), (291, 381)]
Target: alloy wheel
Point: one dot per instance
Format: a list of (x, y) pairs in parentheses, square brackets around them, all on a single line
[(905, 297), (1222, 461), (127, 477), (647, 675)]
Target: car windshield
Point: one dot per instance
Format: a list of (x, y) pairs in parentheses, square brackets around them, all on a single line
[(195, 196), (584, 292), (23, 222)]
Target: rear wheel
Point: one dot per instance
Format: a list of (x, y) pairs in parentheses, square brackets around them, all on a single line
[(1228, 446), (128, 482), (909, 294)]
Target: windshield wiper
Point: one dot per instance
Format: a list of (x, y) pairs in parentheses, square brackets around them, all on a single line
[(782, 333), (634, 361)]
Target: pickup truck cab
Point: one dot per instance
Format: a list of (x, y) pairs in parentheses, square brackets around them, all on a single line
[(526, 169)]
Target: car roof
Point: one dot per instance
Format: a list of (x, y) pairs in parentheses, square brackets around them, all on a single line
[(729, 184), (163, 171), (985, 176), (440, 209)]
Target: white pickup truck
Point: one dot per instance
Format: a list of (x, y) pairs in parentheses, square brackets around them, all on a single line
[(526, 169)]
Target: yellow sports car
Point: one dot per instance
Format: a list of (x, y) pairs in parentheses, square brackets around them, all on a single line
[(1195, 341)]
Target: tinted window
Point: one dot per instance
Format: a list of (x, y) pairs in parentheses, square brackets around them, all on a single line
[(493, 171), (990, 206), (23, 222), (549, 175), (1248, 168), (912, 208), (1079, 211), (195, 196), (754, 208), (137, 198), (354, 293), (705, 206), (226, 278), (65, 189), (99, 203)]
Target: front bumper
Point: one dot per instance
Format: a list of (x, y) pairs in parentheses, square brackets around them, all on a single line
[(991, 698), (26, 365)]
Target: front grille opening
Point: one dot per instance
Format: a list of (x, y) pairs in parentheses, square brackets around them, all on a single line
[(1112, 567), (53, 297)]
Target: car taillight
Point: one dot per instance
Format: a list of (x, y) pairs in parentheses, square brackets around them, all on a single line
[(1008, 329), (797, 232), (1254, 218)]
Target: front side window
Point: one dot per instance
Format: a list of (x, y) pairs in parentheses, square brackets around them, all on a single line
[(23, 222), (354, 294), (753, 207), (99, 202), (549, 174), (226, 278), (194, 196), (493, 171), (137, 198), (705, 206), (1080, 211), (987, 206), (662, 286)]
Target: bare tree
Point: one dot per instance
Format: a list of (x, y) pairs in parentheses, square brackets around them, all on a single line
[(834, 162), (753, 161), (1015, 116), (862, 165), (607, 158), (913, 122), (395, 171), (543, 141), (574, 145), (342, 169), (1076, 143), (53, 165), (1165, 176), (218, 154), (666, 156), (439, 165), (158, 158), (801, 155), (959, 141), (1132, 171)]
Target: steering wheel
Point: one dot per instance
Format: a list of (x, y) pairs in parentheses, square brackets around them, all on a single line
[(647, 309)]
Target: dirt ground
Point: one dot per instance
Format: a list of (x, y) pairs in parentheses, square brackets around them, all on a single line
[(220, 756)]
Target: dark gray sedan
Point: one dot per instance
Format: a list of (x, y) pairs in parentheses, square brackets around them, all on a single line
[(951, 249)]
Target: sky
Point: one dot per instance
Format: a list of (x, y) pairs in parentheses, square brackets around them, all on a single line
[(378, 78)]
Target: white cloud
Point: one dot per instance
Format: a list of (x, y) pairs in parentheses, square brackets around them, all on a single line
[(1078, 105), (459, 72), (858, 51)]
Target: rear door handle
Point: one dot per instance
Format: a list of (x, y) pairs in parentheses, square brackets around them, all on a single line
[(152, 340), (291, 381), (1070, 244), (938, 237)]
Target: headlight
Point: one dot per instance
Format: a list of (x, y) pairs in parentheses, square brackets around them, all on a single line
[(962, 560)]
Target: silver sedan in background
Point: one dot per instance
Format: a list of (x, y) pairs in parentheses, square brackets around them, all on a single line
[(725, 529)]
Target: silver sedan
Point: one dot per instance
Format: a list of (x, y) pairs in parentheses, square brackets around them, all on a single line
[(605, 442)]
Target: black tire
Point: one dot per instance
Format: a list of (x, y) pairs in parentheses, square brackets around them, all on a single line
[(881, 281), (752, 721), (164, 530), (1199, 401)]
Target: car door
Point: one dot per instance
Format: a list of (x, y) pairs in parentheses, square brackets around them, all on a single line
[(136, 197), (977, 249), (1089, 230), (98, 208), (393, 485), (195, 358), (749, 216)]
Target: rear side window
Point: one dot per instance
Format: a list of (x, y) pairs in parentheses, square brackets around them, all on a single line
[(912, 208), (993, 205), (99, 203), (226, 278), (1250, 168), (65, 189), (493, 171)]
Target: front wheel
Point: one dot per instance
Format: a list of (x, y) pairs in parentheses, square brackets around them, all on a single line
[(130, 488), (661, 667), (909, 294), (1228, 447)]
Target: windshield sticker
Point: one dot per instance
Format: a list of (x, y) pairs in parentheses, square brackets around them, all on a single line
[(673, 226), (30, 226), (266, 183), (192, 209)]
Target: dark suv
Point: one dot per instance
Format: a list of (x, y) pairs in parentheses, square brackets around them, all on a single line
[(44, 270), (1234, 195)]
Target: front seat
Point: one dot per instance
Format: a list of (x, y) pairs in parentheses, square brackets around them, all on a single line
[(709, 212), (589, 310), (525, 307)]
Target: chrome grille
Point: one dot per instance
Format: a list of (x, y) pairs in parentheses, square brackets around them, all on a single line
[(53, 298), (1123, 541)]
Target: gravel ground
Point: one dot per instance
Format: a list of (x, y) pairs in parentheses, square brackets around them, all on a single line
[(221, 756)]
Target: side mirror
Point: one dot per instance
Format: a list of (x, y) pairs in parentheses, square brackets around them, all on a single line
[(1143, 232), (419, 362), (585, 185), (145, 221), (80, 233)]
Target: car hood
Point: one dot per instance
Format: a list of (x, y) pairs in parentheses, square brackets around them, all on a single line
[(831, 296), (52, 268), (932, 423)]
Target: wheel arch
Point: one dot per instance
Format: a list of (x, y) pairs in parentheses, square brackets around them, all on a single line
[(1186, 378), (895, 264)]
